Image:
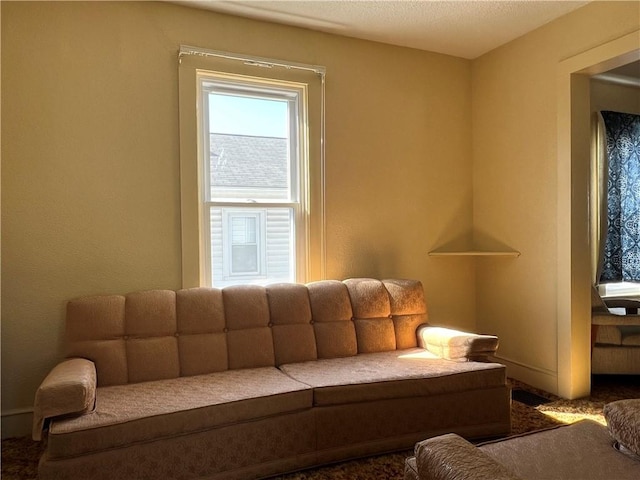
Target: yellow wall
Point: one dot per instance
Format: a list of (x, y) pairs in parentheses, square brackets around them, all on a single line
[(421, 149), (618, 98), (90, 163), (516, 190)]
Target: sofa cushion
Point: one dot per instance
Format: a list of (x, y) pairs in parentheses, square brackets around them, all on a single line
[(609, 335), (95, 330), (150, 314), (371, 305), (150, 331), (408, 310), (203, 353), (375, 334), (395, 374), (202, 342), (332, 318), (249, 337), (544, 454), (623, 419), (142, 411), (200, 310), (630, 335), (291, 323), (152, 358), (451, 457), (369, 298)]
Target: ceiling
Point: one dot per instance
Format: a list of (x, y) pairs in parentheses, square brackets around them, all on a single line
[(628, 74), (460, 28)]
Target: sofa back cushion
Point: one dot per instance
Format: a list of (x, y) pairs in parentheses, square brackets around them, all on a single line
[(160, 334), (202, 339), (249, 339), (130, 339), (332, 318), (408, 310), (150, 328), (291, 323), (371, 315), (95, 330)]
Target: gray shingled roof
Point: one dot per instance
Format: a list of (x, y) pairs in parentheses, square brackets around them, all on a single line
[(239, 160)]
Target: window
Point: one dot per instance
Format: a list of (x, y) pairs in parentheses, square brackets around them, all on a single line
[(615, 205), (251, 159), (245, 253), (254, 153)]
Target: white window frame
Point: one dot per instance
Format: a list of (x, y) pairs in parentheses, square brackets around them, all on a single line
[(309, 241), (295, 94)]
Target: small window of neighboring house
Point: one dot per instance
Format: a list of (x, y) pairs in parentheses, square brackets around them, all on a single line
[(255, 163)]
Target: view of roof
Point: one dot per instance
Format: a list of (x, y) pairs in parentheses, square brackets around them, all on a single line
[(247, 161)]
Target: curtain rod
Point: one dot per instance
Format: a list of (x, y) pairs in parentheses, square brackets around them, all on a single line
[(249, 59)]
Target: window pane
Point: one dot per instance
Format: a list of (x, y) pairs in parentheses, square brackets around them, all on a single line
[(248, 115), (244, 259), (249, 148), (252, 245), (243, 230)]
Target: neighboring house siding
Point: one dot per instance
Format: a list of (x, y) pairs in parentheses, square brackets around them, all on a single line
[(216, 245), (277, 249), (278, 242)]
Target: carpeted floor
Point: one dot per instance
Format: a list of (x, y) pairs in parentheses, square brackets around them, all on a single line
[(20, 455)]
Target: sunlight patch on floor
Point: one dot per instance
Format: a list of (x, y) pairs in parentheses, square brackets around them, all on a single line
[(572, 417)]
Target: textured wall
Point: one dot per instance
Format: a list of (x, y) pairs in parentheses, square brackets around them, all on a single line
[(90, 162), (611, 96), (515, 138)]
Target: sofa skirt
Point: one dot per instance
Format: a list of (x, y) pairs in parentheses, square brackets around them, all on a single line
[(295, 441), (246, 450)]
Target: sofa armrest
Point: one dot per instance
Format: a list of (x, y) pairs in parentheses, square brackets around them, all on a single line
[(451, 457), (69, 388), (623, 421), (456, 345)]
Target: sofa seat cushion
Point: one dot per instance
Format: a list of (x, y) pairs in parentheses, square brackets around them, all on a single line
[(609, 335), (581, 451), (395, 374), (125, 414), (630, 335)]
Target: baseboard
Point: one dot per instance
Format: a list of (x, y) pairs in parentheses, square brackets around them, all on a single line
[(17, 422), (537, 377)]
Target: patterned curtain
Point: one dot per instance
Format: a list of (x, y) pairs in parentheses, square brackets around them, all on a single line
[(622, 247)]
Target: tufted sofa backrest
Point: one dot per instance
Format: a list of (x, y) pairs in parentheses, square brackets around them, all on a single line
[(159, 334)]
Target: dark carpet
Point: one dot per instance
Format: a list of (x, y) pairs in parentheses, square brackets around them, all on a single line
[(531, 409)]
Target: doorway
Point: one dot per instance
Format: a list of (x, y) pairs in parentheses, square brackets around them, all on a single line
[(574, 264)]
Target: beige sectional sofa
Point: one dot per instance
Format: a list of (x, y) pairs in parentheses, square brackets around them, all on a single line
[(249, 381), (585, 450)]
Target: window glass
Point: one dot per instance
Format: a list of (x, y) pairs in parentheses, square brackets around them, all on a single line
[(251, 169), (250, 148), (251, 132)]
